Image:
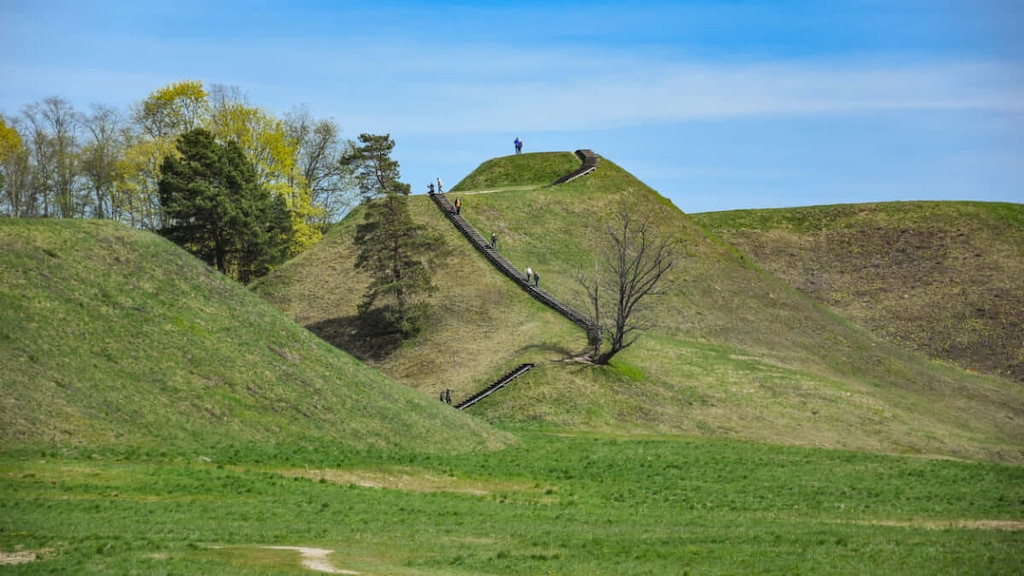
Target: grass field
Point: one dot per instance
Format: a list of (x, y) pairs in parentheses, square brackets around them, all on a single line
[(736, 352), (552, 504), (156, 418)]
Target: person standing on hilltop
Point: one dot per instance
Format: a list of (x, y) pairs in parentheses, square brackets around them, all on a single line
[(440, 188), (519, 145)]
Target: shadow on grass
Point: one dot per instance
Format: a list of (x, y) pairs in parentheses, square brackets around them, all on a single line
[(551, 348), (368, 337)]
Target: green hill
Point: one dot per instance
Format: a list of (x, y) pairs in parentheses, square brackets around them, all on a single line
[(941, 277), (115, 339), (737, 352), (157, 418)]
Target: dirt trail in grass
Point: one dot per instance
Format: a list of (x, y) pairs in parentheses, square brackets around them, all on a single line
[(1008, 525), (23, 556), (314, 559)]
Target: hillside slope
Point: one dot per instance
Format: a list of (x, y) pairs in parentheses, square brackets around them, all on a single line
[(941, 277), (112, 338), (481, 324), (737, 352)]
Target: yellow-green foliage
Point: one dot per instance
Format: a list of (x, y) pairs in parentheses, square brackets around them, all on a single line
[(10, 141), (182, 106), (173, 109), (273, 153)]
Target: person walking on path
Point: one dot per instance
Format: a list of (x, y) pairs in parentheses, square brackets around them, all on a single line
[(519, 145), (494, 240), (440, 187), (447, 396), (458, 205), (536, 280), (529, 274)]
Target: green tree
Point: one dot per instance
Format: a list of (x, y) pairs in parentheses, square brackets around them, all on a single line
[(156, 124), (393, 249), (274, 154), (138, 178), (173, 109), (217, 210)]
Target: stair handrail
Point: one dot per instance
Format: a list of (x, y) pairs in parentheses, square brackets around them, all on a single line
[(589, 160), (497, 385), (510, 270)]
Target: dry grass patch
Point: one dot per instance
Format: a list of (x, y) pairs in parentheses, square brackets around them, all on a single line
[(938, 277), (24, 556), (1006, 525), (409, 480)]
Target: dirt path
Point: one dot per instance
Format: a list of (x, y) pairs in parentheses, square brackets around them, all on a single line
[(23, 556), (314, 559)]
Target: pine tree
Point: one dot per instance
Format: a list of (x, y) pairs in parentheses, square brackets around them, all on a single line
[(217, 210), (392, 248)]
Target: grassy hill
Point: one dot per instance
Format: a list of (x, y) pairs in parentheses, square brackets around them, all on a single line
[(737, 352), (941, 277), (123, 361), (115, 339)]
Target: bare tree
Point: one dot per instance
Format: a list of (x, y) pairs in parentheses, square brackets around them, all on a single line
[(321, 148), (99, 158), (55, 148), (626, 274)]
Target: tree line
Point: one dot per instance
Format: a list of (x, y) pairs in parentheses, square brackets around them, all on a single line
[(235, 185), (243, 190), (105, 163)]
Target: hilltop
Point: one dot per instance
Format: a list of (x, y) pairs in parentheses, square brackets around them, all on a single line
[(943, 278), (159, 418), (737, 352), (114, 339)]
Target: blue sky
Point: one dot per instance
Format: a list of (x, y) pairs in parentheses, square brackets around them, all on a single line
[(717, 105)]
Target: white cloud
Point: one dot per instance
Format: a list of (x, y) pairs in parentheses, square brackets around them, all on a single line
[(451, 88), (642, 93)]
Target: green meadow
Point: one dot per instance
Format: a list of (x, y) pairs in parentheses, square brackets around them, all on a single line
[(157, 418), (550, 504)]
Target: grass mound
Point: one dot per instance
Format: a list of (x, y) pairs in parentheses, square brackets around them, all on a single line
[(114, 338), (533, 169), (941, 277), (736, 352)]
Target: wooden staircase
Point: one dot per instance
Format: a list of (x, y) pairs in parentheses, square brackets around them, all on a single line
[(498, 385), (590, 161)]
